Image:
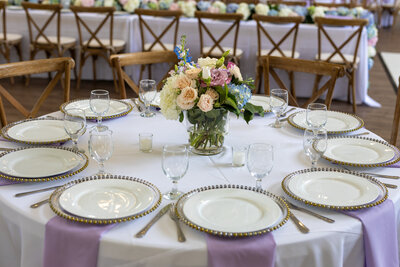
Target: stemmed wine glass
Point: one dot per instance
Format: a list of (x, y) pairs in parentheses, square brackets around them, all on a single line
[(100, 147), (278, 103), (316, 115), (314, 144), (175, 162), (260, 160), (99, 104), (147, 93), (75, 125)]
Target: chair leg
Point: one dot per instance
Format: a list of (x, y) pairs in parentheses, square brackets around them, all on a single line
[(142, 67), (48, 54), (32, 54), (7, 56), (257, 82), (81, 62), (149, 68), (73, 55)]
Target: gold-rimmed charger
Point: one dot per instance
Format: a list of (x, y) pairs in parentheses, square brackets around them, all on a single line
[(232, 210), (38, 131), (138, 213), (337, 122), (334, 189), (118, 108), (64, 172)]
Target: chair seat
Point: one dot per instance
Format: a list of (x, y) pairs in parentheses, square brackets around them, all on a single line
[(117, 44), (217, 53), (276, 53), (158, 47), (12, 37), (64, 41), (337, 58)]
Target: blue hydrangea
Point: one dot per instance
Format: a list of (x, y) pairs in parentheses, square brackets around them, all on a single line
[(203, 5), (164, 5), (300, 10), (273, 12), (144, 6), (331, 13), (372, 32), (370, 63), (241, 92), (282, 6), (343, 11), (231, 8)]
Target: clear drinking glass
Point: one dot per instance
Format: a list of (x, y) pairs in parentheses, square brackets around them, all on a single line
[(175, 162), (278, 103), (147, 93), (316, 115), (314, 144), (260, 160), (99, 104), (75, 125), (100, 147)]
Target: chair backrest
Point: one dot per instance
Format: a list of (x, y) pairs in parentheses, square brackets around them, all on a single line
[(145, 28), (333, 71), (62, 66), (119, 61), (235, 18), (396, 118), (333, 5), (358, 24), (276, 43), (288, 3), (35, 31), (93, 32)]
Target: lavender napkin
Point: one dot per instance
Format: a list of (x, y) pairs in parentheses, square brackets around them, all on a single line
[(256, 251), (71, 244), (380, 234)]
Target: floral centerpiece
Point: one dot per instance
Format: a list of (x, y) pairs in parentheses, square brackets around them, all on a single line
[(205, 92)]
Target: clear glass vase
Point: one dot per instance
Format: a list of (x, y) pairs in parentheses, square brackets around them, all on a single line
[(207, 130)]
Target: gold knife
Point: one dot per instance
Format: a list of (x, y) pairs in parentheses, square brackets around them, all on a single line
[(164, 210)]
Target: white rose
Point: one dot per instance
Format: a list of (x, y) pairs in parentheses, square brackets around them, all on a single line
[(244, 10), (108, 2), (371, 51), (236, 72), (131, 5), (207, 62), (285, 12), (262, 9), (206, 73), (220, 5)]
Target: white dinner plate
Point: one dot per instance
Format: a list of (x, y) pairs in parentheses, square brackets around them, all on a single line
[(107, 198), (36, 131), (358, 151), (37, 162), (337, 122), (117, 108), (231, 210), (264, 101)]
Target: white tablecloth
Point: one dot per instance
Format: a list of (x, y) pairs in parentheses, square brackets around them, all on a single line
[(127, 28), (329, 245)]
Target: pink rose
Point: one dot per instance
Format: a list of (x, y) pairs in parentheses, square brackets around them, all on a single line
[(211, 92), (188, 94), (183, 104), (193, 73), (88, 3), (205, 103), (183, 81), (174, 6), (372, 41), (220, 77)]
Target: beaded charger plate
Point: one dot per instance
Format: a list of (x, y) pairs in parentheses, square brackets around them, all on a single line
[(334, 189), (40, 131), (232, 210), (117, 108), (360, 151), (40, 164), (105, 199), (337, 122)]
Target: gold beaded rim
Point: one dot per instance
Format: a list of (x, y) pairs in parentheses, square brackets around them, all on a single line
[(50, 178), (55, 196), (282, 204), (127, 111), (295, 125), (383, 196), (4, 133), (395, 159)]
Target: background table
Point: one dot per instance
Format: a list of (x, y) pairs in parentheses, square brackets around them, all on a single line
[(329, 245)]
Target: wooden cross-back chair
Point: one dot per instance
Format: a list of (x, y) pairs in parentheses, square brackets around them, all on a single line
[(276, 50), (333, 71), (216, 49), (53, 46), (391, 8), (8, 40), (139, 58), (288, 3), (332, 5), (95, 46), (337, 56), (396, 118), (61, 65)]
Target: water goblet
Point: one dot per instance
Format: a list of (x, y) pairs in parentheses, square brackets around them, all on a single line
[(316, 115), (260, 160), (147, 93), (175, 162), (278, 103), (314, 144), (100, 147), (75, 125), (99, 104)]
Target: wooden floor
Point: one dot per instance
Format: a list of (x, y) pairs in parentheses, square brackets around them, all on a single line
[(378, 120)]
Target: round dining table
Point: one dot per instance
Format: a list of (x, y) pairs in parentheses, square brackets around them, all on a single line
[(22, 229)]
